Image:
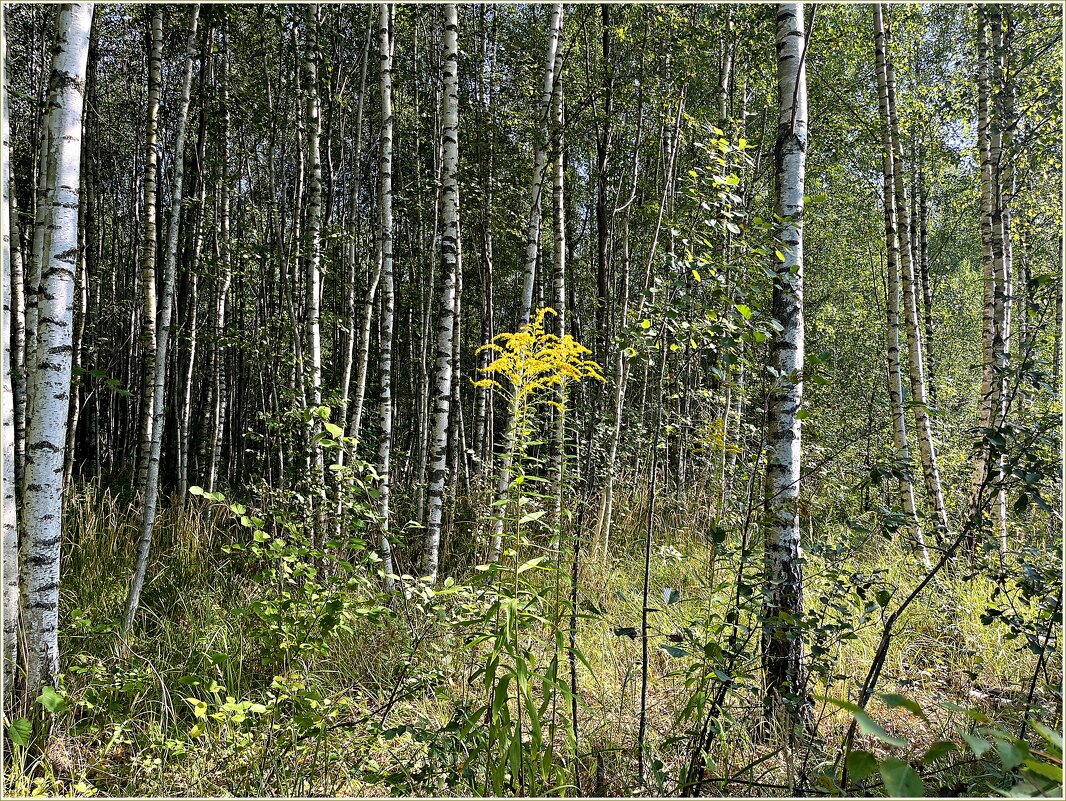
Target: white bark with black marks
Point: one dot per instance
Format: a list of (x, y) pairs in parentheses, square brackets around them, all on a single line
[(438, 456), (388, 295), (784, 656), (146, 262), (7, 430), (51, 366), (895, 380), (170, 268), (919, 392)]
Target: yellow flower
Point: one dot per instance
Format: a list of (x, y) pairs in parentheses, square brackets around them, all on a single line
[(533, 360)]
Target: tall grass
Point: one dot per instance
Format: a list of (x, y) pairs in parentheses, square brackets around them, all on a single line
[(394, 678)]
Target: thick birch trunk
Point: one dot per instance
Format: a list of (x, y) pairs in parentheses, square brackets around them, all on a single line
[(388, 298), (784, 657), (7, 431), (51, 365), (438, 459)]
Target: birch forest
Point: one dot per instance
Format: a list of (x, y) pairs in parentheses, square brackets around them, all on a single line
[(587, 400)]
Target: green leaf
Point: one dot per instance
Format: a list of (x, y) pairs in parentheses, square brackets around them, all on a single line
[(861, 764), (20, 732), (532, 563), (1012, 753), (194, 490), (937, 750), (531, 517), (1045, 769), (334, 430), (52, 701), (867, 724), (1053, 737), (894, 701), (745, 311), (901, 780), (674, 651), (977, 744), (972, 714)]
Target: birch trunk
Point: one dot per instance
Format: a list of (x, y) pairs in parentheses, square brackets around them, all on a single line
[(1003, 188), (353, 263), (559, 279), (51, 365), (533, 232), (7, 430), (388, 299), (919, 394), (170, 268), (17, 328), (783, 648), (989, 398), (540, 163), (895, 381), (219, 391), (438, 460), (146, 261)]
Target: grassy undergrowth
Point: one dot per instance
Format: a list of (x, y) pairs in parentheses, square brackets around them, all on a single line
[(218, 691)]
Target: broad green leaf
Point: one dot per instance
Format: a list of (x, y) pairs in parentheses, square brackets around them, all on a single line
[(937, 750), (1011, 752), (901, 780), (977, 744), (894, 701), (867, 724), (334, 430), (1053, 737), (861, 764), (52, 701), (20, 732), (532, 563), (1045, 769)]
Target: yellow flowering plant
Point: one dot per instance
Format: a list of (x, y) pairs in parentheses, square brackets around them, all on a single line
[(533, 360)]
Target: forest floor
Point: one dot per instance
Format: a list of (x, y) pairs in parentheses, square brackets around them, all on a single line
[(210, 696)]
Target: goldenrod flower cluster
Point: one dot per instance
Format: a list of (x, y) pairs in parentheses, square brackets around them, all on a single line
[(532, 360)]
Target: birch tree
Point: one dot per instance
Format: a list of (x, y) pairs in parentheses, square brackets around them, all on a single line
[(170, 268), (388, 294), (783, 648), (529, 270), (7, 425), (895, 381), (442, 383), (146, 263), (51, 366), (915, 360)]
